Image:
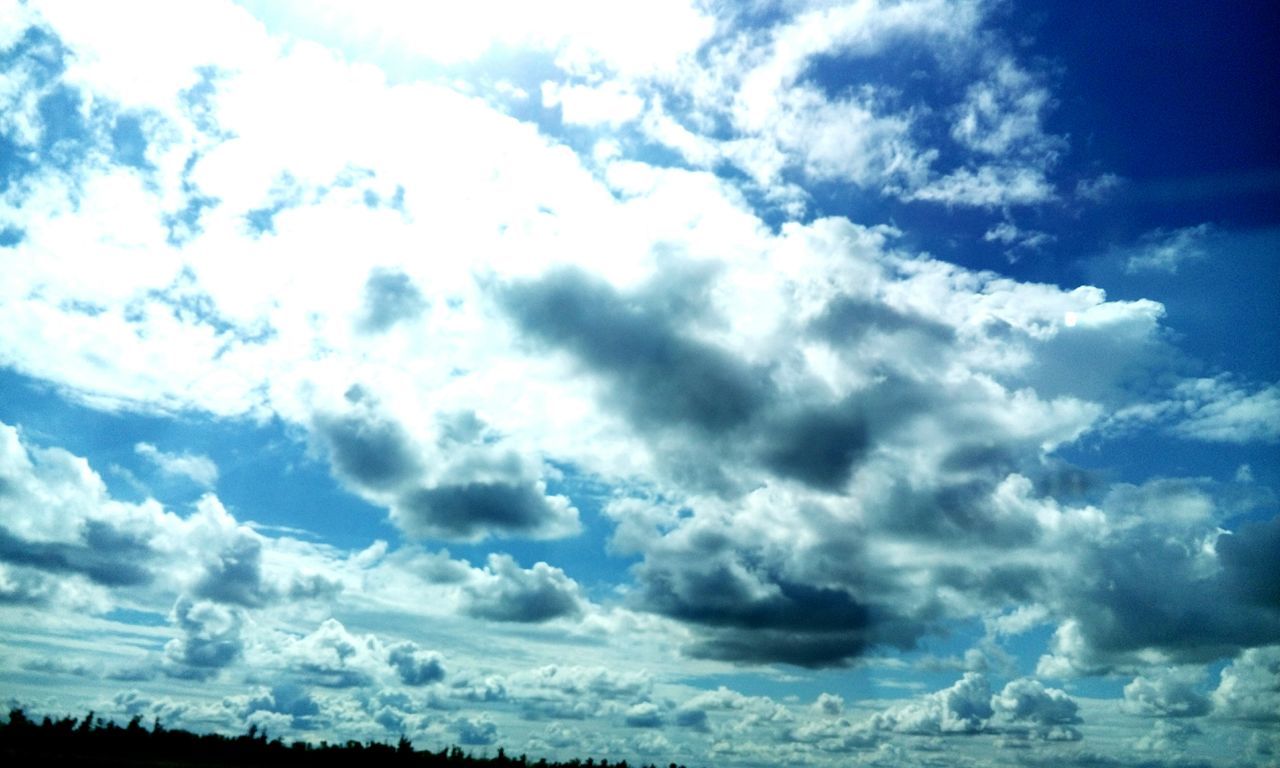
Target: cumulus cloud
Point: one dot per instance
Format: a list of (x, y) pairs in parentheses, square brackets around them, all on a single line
[(965, 707), (1050, 712), (1248, 689), (476, 731), (507, 592), (461, 487), (295, 703), (210, 641), (234, 574), (643, 715), (1172, 692), (661, 377), (333, 657), (416, 666), (1173, 584)]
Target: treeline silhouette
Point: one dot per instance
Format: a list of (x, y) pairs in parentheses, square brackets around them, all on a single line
[(91, 741)]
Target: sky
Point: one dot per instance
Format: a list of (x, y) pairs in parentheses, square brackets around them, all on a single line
[(742, 384)]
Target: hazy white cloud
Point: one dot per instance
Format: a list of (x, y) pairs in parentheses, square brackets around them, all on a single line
[(195, 467), (1165, 251), (1222, 411)]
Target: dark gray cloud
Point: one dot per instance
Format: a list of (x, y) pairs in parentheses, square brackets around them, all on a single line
[(755, 615), (659, 376), (235, 576), (511, 593), (210, 639), (1151, 590), (390, 297), (1251, 559), (482, 489), (106, 556), (817, 445), (472, 509), (693, 718), (415, 666), (847, 319), (286, 699), (954, 511), (368, 449), (475, 731)]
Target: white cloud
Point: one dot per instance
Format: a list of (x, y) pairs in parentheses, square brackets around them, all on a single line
[(1247, 687), (587, 105), (1171, 692), (965, 707), (1221, 411), (507, 592), (1165, 251), (988, 186), (197, 468)]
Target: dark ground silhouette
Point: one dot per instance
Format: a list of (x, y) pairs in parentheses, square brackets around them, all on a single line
[(91, 741)]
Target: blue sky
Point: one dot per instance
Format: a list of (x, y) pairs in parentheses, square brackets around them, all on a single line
[(740, 384)]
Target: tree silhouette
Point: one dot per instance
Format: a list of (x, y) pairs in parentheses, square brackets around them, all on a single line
[(90, 741)]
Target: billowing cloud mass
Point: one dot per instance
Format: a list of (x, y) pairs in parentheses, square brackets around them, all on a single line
[(793, 384)]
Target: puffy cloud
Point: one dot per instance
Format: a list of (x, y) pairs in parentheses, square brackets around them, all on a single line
[(965, 707), (1172, 588), (333, 657), (476, 731), (1168, 736), (829, 704), (643, 715), (1248, 688), (824, 444), (294, 702), (234, 574), (1168, 693), (1050, 711), (415, 666), (507, 592), (211, 639), (462, 487), (661, 377)]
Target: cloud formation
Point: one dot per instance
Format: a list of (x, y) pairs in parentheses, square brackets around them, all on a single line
[(691, 308)]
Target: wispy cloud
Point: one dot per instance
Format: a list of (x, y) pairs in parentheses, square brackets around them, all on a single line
[(197, 468)]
